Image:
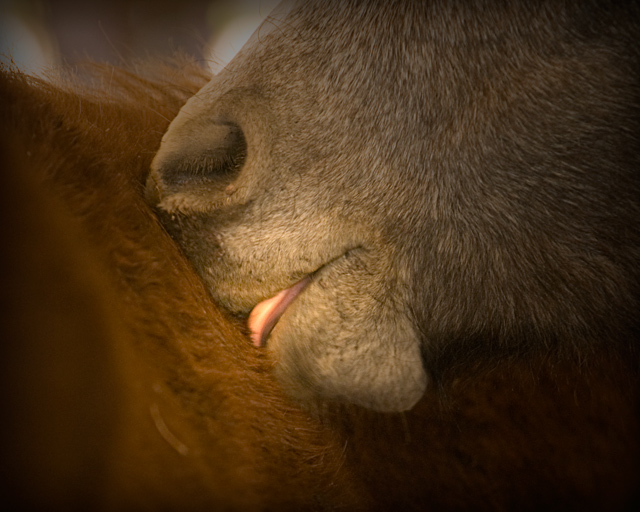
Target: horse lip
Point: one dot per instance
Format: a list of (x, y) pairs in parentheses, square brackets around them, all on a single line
[(265, 315)]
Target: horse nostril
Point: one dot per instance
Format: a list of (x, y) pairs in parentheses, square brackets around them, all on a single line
[(217, 156), (207, 160)]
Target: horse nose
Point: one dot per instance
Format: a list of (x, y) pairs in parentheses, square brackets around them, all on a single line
[(207, 157)]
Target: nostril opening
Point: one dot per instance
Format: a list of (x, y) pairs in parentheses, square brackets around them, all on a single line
[(218, 159)]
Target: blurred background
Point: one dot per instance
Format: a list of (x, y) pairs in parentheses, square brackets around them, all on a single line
[(39, 34)]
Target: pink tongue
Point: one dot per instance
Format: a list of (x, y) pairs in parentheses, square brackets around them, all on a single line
[(266, 314)]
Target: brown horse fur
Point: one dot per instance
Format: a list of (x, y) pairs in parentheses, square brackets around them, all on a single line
[(125, 388)]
